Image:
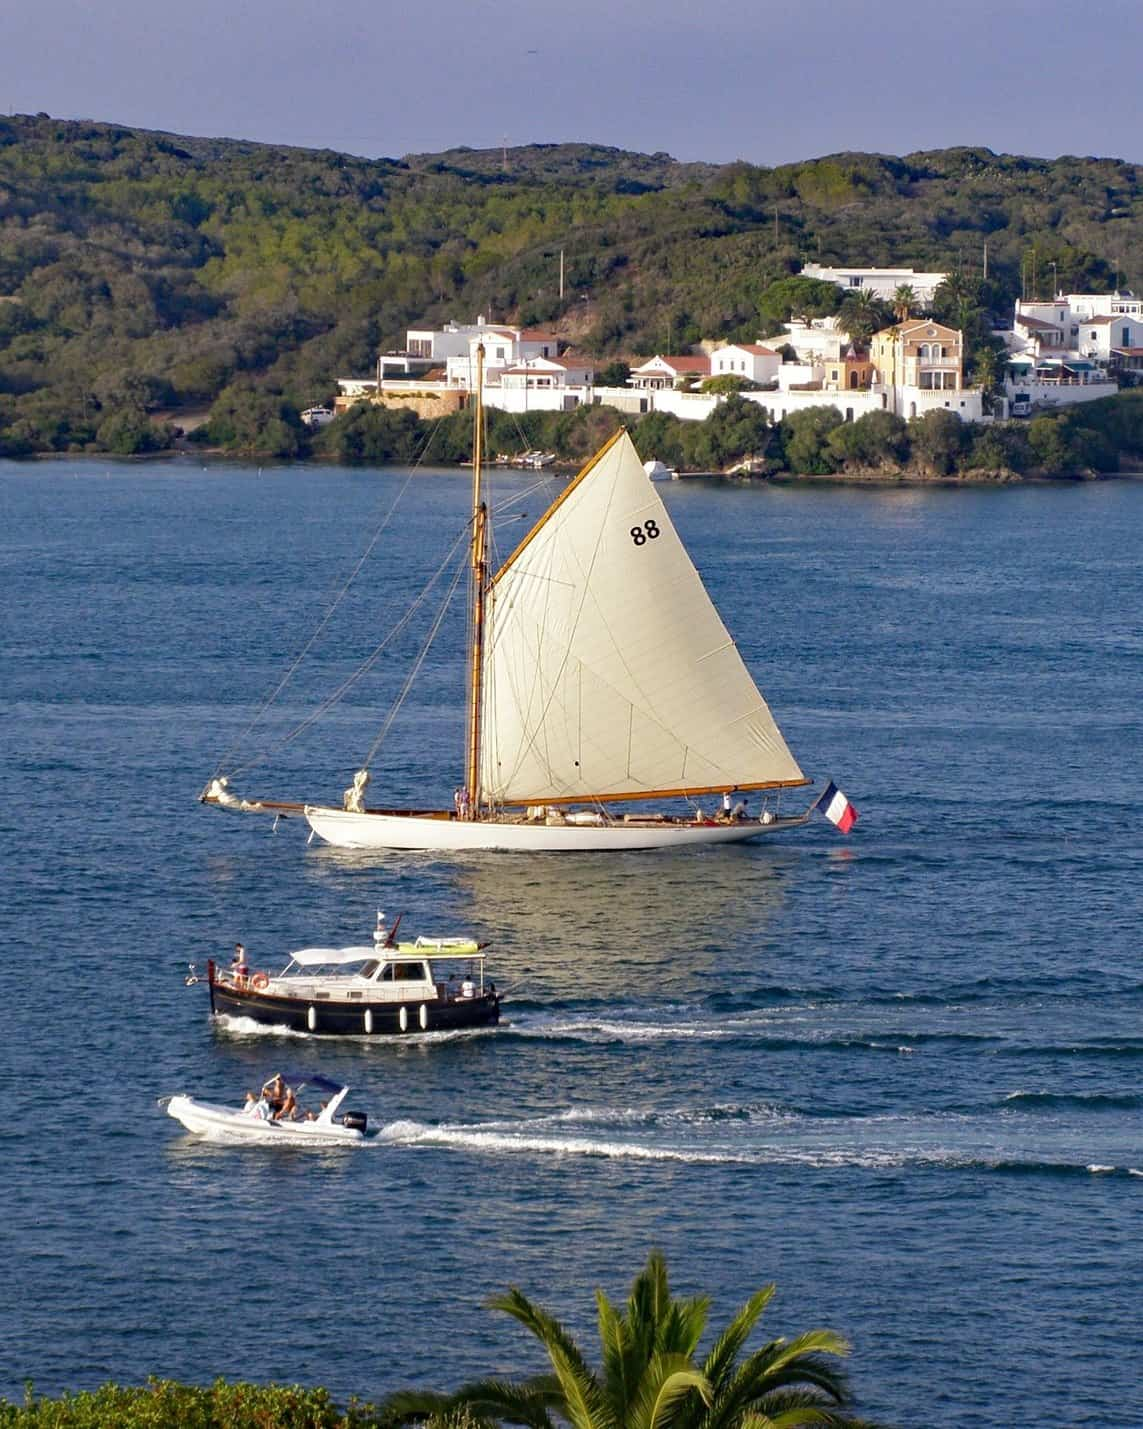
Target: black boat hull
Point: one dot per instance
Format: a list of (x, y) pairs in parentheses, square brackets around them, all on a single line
[(357, 1019)]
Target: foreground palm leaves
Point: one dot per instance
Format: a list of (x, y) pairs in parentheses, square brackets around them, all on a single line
[(650, 1376)]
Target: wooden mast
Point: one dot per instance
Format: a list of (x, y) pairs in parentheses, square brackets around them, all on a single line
[(478, 584)]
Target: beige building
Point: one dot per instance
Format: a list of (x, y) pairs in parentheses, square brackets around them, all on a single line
[(919, 353), (850, 373)]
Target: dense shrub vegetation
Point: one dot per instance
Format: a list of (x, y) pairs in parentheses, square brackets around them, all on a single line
[(145, 277), (165, 1404)]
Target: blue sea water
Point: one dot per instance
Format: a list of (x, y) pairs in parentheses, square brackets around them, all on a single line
[(897, 1073)]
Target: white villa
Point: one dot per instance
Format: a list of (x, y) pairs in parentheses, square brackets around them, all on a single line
[(881, 282), (819, 340), (1067, 350), (664, 373), (749, 360)]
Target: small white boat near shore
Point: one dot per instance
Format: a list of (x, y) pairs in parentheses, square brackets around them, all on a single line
[(330, 1126)]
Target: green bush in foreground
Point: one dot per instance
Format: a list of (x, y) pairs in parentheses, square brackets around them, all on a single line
[(165, 1404)]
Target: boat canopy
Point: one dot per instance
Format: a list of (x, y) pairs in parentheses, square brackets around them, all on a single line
[(340, 957), (316, 957), (313, 1079)]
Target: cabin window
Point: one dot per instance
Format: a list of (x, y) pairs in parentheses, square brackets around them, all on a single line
[(410, 972), (369, 968)]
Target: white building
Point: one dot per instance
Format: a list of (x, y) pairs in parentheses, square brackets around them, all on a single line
[(666, 372), (819, 340), (881, 282), (1103, 337), (542, 384), (749, 360), (1064, 351), (504, 347)]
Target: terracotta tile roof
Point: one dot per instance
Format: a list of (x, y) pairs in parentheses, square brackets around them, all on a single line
[(688, 364), (755, 349), (533, 334), (1025, 321)]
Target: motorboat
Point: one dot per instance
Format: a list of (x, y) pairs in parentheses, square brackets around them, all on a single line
[(328, 1125), (388, 989)]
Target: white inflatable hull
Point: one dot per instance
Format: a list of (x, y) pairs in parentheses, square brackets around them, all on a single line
[(441, 835), (225, 1124)]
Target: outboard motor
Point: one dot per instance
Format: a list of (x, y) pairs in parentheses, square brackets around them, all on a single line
[(355, 1120)]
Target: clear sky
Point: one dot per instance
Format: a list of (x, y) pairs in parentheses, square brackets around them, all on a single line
[(765, 81)]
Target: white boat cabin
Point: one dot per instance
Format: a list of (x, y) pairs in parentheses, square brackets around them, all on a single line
[(405, 973)]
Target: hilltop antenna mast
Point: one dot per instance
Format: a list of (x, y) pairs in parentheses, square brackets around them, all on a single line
[(504, 153)]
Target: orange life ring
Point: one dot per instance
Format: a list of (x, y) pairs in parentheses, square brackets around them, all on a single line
[(259, 981)]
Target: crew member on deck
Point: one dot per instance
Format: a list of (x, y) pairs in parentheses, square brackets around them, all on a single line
[(238, 964)]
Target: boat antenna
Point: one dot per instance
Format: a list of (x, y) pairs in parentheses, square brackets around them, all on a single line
[(478, 574)]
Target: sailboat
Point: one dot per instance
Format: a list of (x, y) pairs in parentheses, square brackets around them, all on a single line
[(600, 678)]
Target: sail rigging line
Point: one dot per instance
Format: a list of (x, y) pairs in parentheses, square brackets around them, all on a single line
[(366, 665), (415, 670), (331, 610)]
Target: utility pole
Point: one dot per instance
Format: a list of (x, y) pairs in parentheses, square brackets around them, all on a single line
[(986, 260), (561, 275)]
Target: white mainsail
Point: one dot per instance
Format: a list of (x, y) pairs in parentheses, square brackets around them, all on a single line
[(607, 670)]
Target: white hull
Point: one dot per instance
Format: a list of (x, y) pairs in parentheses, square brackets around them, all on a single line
[(225, 1124), (442, 835)]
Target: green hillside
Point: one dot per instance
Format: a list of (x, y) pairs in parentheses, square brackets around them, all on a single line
[(145, 273)]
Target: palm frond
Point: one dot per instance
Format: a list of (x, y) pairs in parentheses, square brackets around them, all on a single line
[(585, 1403), (667, 1380), (527, 1403), (795, 1366), (682, 1328), (412, 1406), (620, 1359), (724, 1355)]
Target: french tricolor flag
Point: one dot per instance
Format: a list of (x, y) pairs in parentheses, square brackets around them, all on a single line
[(837, 808)]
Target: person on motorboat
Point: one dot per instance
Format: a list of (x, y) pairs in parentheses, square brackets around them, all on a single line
[(238, 964), (288, 1111), (275, 1093)]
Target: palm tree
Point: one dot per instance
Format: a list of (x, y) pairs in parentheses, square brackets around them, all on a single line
[(904, 301), (860, 315), (649, 1377)]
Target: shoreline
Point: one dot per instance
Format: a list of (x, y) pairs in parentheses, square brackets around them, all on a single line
[(858, 476)]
